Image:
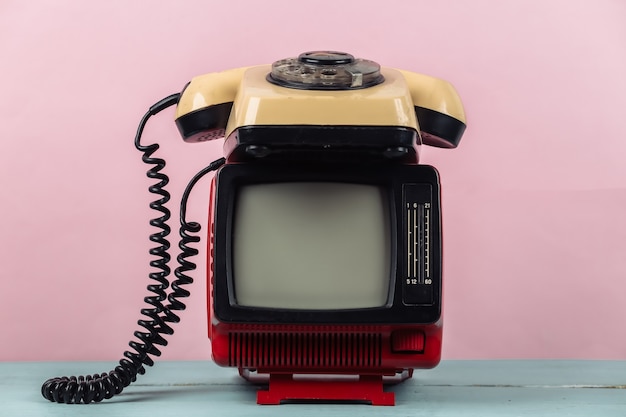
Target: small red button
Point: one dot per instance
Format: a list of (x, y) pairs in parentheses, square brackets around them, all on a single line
[(407, 341)]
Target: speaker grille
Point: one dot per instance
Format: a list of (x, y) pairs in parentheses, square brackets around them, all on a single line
[(305, 350)]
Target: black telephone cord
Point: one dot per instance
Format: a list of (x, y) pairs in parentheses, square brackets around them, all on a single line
[(97, 387)]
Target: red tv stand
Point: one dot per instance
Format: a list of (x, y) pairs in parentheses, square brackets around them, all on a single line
[(285, 387)]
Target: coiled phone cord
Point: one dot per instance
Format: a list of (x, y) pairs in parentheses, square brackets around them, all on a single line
[(97, 387)]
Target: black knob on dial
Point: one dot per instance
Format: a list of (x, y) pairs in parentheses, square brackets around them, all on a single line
[(326, 58)]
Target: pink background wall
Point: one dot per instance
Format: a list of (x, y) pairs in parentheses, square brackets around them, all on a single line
[(534, 198)]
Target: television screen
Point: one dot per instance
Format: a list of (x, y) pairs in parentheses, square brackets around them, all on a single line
[(311, 246)]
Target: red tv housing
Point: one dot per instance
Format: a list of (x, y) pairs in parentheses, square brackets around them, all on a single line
[(326, 361)]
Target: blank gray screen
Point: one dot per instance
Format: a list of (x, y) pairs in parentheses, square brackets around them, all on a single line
[(311, 245)]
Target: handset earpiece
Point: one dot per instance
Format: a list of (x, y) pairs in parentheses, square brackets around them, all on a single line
[(438, 109), (205, 105)]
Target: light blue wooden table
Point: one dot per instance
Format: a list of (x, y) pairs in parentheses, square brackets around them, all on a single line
[(455, 388)]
